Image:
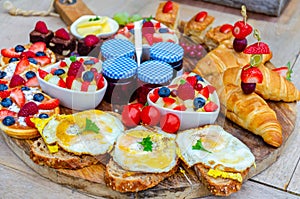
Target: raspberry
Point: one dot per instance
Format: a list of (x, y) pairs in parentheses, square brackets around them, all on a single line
[(76, 69), (91, 40), (62, 33), (41, 27), (185, 91), (30, 108)]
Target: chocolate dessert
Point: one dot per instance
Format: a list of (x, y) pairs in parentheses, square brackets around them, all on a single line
[(87, 44), (62, 43), (41, 33)]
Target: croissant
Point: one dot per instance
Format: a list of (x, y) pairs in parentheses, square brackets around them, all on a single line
[(274, 86), (252, 113)]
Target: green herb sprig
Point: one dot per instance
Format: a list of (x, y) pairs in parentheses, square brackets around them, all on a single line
[(91, 126), (199, 146), (146, 143)]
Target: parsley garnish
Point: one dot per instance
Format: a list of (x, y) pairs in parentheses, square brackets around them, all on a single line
[(199, 146), (94, 19), (147, 143), (91, 126)]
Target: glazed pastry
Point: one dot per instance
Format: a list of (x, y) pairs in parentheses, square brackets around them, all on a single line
[(197, 26), (252, 113), (215, 36), (168, 14), (274, 87)]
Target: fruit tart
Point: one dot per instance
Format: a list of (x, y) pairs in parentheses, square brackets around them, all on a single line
[(168, 14), (215, 36)]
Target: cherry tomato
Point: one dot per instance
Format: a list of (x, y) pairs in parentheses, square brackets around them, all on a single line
[(170, 123), (131, 115), (150, 115)]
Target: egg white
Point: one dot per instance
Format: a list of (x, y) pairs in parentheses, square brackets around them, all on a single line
[(130, 154), (226, 151)]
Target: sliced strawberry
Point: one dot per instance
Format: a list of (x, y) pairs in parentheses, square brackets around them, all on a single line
[(181, 107), (258, 48), (29, 122), (192, 80), (62, 64), (16, 80), (5, 112), (251, 75), (211, 88), (210, 106), (226, 28), (9, 53), (41, 27), (130, 26), (157, 38), (157, 25), (50, 104), (18, 96), (69, 81), (200, 17), (62, 33), (22, 66), (149, 38), (284, 71), (99, 80), (27, 54), (32, 82), (168, 7), (3, 81), (61, 83), (241, 30), (38, 46), (4, 94), (43, 60), (91, 40), (169, 101), (30, 108), (153, 96), (85, 86), (42, 73), (205, 92)]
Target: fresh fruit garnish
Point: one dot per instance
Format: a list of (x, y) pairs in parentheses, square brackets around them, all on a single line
[(91, 40), (204, 92), (192, 80), (5, 112), (285, 71), (239, 45), (50, 104), (29, 122), (181, 107), (131, 115), (8, 121), (153, 96), (42, 73), (248, 87), (251, 75), (168, 7), (170, 123), (210, 106), (30, 108), (199, 102), (200, 17), (18, 96), (16, 80), (32, 82), (226, 28), (10, 53), (43, 60), (76, 69), (62, 33), (85, 86), (19, 48), (211, 88), (22, 65), (41, 27), (4, 94), (257, 48), (150, 115), (149, 38), (148, 27), (241, 30), (185, 91), (164, 91), (38, 47), (169, 101)]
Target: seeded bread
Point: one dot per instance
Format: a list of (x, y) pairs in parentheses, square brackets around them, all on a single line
[(126, 181), (218, 186), (40, 154)]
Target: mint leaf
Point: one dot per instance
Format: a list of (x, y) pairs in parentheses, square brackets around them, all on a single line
[(199, 146), (91, 126), (146, 143)]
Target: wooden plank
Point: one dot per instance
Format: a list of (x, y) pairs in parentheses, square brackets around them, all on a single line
[(294, 185)]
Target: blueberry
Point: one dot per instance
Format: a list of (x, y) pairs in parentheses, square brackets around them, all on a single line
[(40, 53), (2, 74), (199, 102), (164, 92), (13, 59), (3, 87), (32, 60), (6, 102), (38, 97), (25, 88), (88, 76), (199, 78), (19, 48), (59, 72), (30, 74), (131, 31), (163, 30), (43, 116), (8, 121), (89, 62)]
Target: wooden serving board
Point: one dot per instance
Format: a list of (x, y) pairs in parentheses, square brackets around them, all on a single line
[(187, 185)]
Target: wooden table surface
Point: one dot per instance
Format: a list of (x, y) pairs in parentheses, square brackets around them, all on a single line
[(280, 180)]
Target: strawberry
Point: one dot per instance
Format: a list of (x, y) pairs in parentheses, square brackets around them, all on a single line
[(284, 71), (157, 25), (130, 26), (29, 122), (69, 81), (205, 92), (5, 112), (30, 108), (211, 88), (9, 53), (85, 86), (148, 28), (210, 106), (16, 80), (241, 30), (50, 104), (27, 54), (62, 33), (185, 91), (41, 27), (42, 73), (4, 94), (226, 28), (99, 80), (157, 38), (251, 75), (32, 82), (200, 17), (192, 80), (62, 64), (169, 101), (18, 96), (43, 60), (180, 107), (168, 7), (149, 38), (76, 69), (124, 31), (91, 40), (153, 96), (61, 83), (38, 47), (21, 66), (258, 48), (3, 81)]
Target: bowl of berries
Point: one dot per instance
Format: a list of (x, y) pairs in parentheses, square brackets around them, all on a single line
[(193, 99), (76, 81)]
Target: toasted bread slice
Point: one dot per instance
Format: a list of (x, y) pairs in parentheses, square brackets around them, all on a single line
[(40, 154), (218, 186), (126, 181)]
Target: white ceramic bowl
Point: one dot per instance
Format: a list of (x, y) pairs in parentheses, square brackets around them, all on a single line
[(76, 100), (190, 119), (114, 26)]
